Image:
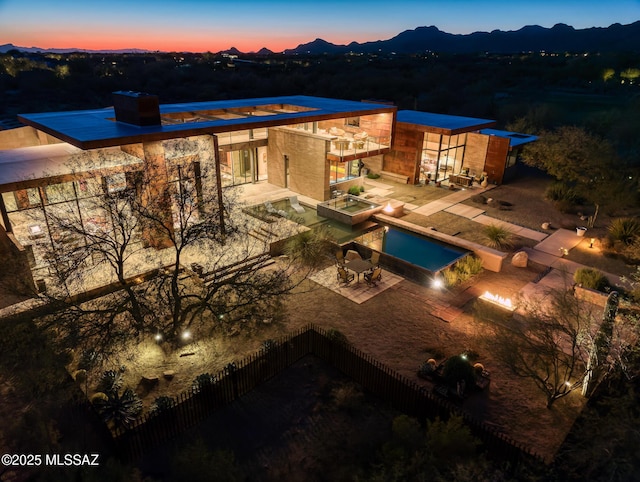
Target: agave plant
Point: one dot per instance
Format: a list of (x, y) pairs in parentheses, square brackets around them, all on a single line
[(498, 237), (625, 230), (110, 381), (161, 404), (120, 409)]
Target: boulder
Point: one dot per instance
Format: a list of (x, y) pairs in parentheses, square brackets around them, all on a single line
[(520, 259)]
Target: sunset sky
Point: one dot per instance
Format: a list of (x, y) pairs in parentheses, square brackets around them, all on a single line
[(248, 25)]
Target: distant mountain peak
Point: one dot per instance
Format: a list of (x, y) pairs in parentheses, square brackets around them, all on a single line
[(530, 38)]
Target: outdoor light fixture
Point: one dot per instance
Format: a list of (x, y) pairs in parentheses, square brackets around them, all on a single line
[(158, 337), (388, 208), (437, 282), (593, 240), (186, 335)]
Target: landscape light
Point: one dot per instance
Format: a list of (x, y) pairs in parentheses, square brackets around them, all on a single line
[(158, 337), (437, 282), (593, 240), (186, 334)]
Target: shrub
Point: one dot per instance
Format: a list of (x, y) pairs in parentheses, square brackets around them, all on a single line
[(456, 369), (591, 278), (625, 230), (354, 190), (479, 199), (201, 381), (560, 192), (337, 336), (450, 277), (372, 175), (268, 344), (498, 237), (469, 266), (462, 270), (161, 404), (348, 397)]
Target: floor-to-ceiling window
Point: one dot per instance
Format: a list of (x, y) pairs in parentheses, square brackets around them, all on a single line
[(442, 155)]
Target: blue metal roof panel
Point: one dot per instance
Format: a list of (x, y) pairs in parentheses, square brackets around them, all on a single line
[(98, 128), (516, 139), (442, 121)]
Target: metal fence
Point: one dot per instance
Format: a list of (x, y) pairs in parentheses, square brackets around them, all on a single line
[(192, 407)]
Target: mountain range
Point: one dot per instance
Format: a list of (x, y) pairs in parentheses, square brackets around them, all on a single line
[(531, 38)]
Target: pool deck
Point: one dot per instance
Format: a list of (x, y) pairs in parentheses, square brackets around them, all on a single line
[(547, 252)]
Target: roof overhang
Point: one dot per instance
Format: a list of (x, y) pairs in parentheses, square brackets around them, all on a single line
[(34, 166), (441, 123), (91, 129), (516, 139)]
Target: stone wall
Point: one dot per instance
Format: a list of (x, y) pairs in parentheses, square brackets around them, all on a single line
[(25, 137), (308, 166), (475, 152)]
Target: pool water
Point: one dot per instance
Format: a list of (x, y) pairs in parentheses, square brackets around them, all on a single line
[(342, 233), (418, 250), (350, 204)]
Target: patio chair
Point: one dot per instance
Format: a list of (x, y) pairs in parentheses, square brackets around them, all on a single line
[(372, 277), (293, 200), (352, 254), (375, 259), (340, 257), (344, 276)]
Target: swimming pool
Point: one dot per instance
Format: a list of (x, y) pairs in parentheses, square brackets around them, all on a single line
[(418, 250)]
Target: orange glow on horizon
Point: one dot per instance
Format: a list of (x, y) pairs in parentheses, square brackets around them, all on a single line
[(124, 41)]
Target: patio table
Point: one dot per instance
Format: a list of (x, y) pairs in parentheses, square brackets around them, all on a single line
[(359, 266)]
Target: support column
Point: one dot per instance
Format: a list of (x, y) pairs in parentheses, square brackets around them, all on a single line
[(216, 163), (155, 195)]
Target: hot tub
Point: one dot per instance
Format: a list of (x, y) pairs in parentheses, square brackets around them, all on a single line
[(348, 209)]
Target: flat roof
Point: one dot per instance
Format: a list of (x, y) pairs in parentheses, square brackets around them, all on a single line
[(442, 123), (24, 164), (516, 139), (89, 129)]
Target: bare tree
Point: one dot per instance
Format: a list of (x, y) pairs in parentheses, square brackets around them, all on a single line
[(548, 342), (125, 259), (238, 278)]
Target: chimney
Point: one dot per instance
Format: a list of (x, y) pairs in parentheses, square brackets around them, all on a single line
[(137, 108)]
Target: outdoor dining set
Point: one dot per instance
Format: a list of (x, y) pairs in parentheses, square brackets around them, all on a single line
[(351, 264)]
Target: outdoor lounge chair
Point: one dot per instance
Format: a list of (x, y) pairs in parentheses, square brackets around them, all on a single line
[(372, 277), (344, 276), (269, 207), (340, 257), (293, 200)]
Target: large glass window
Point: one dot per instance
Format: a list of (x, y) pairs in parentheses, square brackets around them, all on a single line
[(441, 155), (342, 171)]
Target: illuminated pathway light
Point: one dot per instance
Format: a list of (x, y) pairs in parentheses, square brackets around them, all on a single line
[(388, 209)]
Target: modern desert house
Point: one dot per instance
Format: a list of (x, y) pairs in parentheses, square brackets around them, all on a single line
[(312, 146)]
